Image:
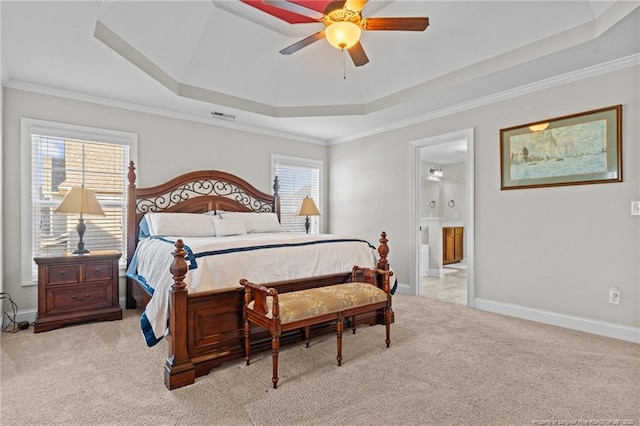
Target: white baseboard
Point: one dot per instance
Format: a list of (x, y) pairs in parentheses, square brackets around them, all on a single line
[(24, 315), (404, 289), (602, 328), (436, 272)]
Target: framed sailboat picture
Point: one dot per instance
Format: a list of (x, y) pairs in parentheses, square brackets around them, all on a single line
[(576, 149)]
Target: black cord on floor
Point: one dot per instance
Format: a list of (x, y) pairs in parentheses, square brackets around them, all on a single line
[(11, 318)]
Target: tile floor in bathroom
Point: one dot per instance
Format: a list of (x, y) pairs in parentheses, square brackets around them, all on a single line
[(452, 287)]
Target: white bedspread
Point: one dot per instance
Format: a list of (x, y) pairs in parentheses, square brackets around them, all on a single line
[(221, 262)]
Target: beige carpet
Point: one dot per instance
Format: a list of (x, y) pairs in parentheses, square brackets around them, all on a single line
[(447, 365)]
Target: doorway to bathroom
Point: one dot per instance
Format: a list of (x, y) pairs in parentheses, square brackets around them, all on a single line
[(443, 216)]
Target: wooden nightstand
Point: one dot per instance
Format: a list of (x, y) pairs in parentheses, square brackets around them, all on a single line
[(77, 288)]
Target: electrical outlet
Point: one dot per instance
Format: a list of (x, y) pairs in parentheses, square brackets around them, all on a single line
[(615, 295)]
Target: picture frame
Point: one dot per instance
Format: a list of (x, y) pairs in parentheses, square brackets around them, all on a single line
[(577, 149)]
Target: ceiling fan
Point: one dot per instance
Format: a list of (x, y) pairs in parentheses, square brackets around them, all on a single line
[(343, 24)]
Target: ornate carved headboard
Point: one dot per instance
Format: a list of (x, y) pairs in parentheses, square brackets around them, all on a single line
[(194, 192)]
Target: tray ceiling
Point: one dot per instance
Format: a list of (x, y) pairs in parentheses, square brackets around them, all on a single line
[(195, 57)]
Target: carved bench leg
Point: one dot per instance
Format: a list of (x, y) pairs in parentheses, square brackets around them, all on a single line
[(387, 323), (307, 333), (339, 327), (247, 340), (353, 324), (275, 347)]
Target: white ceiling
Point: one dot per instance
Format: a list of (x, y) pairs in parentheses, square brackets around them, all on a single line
[(189, 58)]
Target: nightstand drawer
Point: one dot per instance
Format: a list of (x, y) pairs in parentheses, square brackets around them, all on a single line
[(62, 274), (96, 271), (78, 297)]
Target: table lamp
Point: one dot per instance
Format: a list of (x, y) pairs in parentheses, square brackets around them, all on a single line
[(80, 200), (308, 208)]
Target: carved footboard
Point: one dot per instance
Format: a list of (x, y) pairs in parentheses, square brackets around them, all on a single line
[(206, 329)]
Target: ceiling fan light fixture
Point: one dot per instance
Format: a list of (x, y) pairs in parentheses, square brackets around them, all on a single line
[(342, 35)]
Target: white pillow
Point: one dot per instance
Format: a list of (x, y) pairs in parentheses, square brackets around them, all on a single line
[(256, 222), (237, 215), (180, 225), (226, 227)]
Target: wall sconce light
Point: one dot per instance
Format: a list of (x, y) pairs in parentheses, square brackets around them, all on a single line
[(538, 127), (436, 171)]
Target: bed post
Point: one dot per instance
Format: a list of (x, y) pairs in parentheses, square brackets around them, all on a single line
[(276, 197), (131, 230), (383, 251), (179, 370), (385, 316)]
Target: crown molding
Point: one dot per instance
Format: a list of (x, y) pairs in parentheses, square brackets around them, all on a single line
[(593, 71), (124, 49), (83, 97)]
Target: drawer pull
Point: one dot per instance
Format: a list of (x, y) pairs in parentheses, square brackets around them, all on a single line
[(62, 274), (97, 272), (86, 296)]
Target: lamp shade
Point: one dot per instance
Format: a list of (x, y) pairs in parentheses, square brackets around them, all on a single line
[(343, 34), (308, 208), (80, 200)]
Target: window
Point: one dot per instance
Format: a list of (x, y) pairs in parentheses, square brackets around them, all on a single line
[(298, 178), (57, 157)]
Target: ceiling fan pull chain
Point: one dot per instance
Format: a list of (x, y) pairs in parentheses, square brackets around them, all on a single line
[(344, 71)]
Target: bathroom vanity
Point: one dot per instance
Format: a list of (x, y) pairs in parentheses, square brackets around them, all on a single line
[(452, 244)]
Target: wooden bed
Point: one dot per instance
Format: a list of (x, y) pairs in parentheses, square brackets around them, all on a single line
[(206, 328)]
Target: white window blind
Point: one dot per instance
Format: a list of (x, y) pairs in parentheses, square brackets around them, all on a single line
[(298, 179), (57, 164)]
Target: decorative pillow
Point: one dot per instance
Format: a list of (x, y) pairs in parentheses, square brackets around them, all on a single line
[(180, 225), (143, 228), (227, 227), (256, 222)]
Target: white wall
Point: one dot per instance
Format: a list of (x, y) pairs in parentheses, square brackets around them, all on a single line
[(554, 249), (454, 188), (166, 147), (430, 191)]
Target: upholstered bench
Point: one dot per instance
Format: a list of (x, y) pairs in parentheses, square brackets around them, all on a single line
[(278, 313)]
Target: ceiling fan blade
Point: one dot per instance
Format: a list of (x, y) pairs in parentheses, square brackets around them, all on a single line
[(302, 43), (357, 54), (355, 5), (395, 24), (295, 8)]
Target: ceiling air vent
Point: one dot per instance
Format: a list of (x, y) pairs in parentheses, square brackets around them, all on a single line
[(223, 116)]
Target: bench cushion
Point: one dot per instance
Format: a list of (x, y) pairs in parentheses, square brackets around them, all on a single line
[(298, 305)]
